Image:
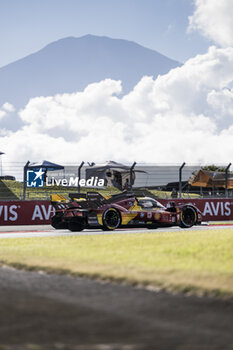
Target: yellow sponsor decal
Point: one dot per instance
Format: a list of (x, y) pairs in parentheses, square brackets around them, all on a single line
[(127, 217), (135, 207), (100, 219)]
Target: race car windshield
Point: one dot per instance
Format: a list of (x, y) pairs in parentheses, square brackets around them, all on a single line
[(150, 203)]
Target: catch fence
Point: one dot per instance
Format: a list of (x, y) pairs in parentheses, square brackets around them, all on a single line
[(163, 180)]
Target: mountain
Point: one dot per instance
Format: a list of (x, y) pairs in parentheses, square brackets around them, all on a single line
[(70, 64)]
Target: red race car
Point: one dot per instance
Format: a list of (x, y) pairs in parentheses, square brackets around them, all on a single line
[(92, 210)]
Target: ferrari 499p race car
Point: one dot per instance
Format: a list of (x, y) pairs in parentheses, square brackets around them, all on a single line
[(92, 210)]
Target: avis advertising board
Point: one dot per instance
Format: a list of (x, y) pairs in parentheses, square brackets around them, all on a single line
[(40, 212), (25, 212)]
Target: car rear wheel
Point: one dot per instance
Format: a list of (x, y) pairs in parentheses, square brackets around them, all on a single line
[(111, 219), (188, 217), (75, 226), (57, 222)]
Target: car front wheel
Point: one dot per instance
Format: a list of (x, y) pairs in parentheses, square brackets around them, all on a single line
[(188, 217)]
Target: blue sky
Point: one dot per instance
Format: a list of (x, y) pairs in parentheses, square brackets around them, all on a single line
[(28, 25)]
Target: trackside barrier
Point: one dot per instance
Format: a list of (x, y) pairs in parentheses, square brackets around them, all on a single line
[(40, 211), (25, 212)]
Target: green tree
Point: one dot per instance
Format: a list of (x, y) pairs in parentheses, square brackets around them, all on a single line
[(214, 168)]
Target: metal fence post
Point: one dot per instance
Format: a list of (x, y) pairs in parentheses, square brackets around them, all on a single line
[(226, 180), (180, 179), (25, 179), (131, 175), (79, 174), (1, 153)]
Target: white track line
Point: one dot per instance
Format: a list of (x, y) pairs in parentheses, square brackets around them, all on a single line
[(32, 231)]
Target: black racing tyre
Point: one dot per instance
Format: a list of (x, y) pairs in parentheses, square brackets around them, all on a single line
[(57, 222), (76, 226), (111, 219), (188, 217)]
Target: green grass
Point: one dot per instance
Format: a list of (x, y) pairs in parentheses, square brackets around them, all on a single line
[(187, 261)]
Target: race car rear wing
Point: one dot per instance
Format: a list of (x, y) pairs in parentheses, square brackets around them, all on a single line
[(95, 199), (120, 196), (57, 198), (89, 199)]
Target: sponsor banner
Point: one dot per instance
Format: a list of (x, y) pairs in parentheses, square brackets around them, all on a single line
[(25, 212), (216, 209), (40, 212)]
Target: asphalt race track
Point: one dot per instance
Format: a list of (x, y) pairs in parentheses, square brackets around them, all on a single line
[(40, 311), (49, 231)]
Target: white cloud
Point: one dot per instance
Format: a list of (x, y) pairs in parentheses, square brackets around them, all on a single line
[(213, 18), (5, 109), (8, 107), (185, 115), (222, 105), (2, 114)]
